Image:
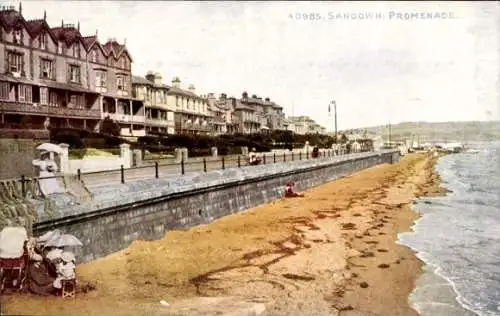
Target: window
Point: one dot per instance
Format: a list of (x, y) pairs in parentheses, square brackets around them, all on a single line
[(121, 82), (25, 93), (100, 78), (4, 91), (53, 99), (44, 95), (17, 36), (43, 41), (16, 62), (123, 63), (59, 48), (74, 74), (177, 101), (93, 55), (47, 69)]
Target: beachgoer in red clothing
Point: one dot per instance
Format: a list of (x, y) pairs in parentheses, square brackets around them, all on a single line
[(289, 190)]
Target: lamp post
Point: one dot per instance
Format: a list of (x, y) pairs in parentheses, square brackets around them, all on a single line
[(335, 117)]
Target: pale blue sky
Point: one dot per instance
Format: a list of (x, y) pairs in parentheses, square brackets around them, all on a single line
[(376, 69)]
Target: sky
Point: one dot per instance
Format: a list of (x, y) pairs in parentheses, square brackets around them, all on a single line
[(378, 66)]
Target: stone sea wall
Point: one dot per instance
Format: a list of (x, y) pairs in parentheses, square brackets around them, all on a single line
[(146, 210)]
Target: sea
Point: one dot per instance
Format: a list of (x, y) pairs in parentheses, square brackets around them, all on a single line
[(458, 237)]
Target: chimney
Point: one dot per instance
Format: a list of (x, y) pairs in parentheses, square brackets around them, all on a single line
[(96, 33), (192, 88), (150, 76), (158, 78), (78, 26), (244, 95), (20, 8), (45, 15), (223, 96), (176, 82), (268, 100), (62, 22)]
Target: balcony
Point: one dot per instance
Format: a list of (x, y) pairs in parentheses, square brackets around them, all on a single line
[(46, 110), (159, 122), (217, 120), (126, 118), (191, 127)]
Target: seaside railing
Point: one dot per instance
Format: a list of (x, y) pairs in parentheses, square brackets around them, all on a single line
[(27, 187)]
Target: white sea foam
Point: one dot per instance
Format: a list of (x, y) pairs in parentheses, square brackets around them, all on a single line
[(457, 237)]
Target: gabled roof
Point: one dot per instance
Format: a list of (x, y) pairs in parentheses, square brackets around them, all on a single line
[(11, 18), (68, 35), (35, 28), (91, 41), (115, 49)]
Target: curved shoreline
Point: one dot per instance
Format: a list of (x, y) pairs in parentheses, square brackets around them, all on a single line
[(329, 253), (431, 271)]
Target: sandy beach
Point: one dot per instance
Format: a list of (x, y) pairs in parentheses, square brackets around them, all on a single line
[(332, 252)]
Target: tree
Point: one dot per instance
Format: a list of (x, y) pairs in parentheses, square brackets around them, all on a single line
[(109, 127), (343, 139)]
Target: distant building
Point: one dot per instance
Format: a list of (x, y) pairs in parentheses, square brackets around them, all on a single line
[(246, 115), (191, 110), (220, 114), (304, 125), (154, 94)]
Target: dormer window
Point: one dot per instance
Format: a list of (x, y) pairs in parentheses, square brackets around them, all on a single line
[(59, 48), (43, 41), (17, 36)]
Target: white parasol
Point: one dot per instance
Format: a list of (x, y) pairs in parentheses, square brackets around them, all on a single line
[(48, 236), (65, 240), (53, 148), (12, 242)]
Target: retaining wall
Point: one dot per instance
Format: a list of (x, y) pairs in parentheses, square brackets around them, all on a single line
[(147, 209)]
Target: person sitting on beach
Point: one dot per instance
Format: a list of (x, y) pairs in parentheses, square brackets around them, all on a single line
[(290, 192), (65, 269)]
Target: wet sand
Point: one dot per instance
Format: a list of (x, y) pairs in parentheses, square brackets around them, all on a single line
[(332, 252)]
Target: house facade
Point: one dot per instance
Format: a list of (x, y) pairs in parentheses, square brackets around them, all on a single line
[(55, 77), (159, 113), (191, 110), (304, 125)]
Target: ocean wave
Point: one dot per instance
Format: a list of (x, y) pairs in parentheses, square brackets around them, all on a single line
[(457, 237)]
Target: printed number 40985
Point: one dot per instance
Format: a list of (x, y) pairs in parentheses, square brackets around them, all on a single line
[(305, 16)]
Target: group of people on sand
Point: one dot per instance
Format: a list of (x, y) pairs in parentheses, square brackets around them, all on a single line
[(38, 265), (48, 267)]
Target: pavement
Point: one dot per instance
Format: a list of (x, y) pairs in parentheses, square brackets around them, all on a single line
[(175, 169)]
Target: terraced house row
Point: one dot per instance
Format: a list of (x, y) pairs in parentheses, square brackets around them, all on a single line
[(57, 77)]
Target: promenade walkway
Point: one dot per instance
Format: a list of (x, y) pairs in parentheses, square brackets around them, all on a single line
[(177, 169)]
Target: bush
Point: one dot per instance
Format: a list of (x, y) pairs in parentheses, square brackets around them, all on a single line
[(72, 138), (109, 127)]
